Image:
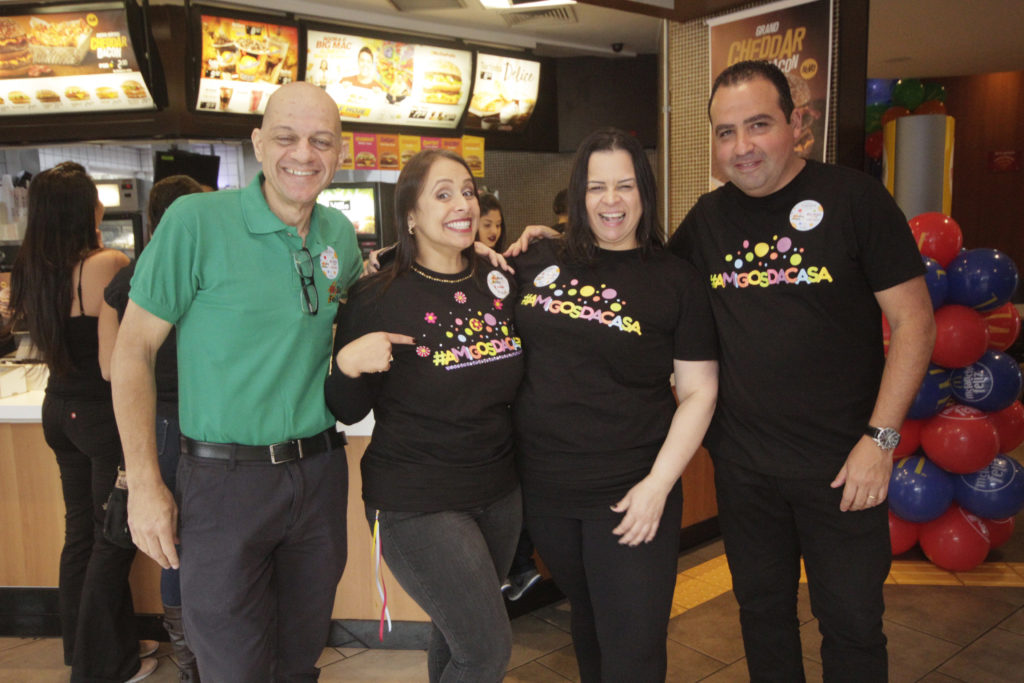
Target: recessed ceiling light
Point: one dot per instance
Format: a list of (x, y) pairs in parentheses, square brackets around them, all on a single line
[(523, 4)]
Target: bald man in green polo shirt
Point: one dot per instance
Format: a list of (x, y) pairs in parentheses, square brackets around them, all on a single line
[(251, 278)]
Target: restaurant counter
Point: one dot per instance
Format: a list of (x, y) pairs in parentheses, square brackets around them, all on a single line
[(33, 513), (33, 529)]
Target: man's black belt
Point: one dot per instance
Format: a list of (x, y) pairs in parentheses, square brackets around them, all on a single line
[(275, 453)]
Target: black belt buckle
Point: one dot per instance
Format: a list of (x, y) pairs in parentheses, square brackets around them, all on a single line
[(285, 451)]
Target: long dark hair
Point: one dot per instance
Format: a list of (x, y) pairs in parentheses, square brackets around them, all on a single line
[(578, 244), (61, 232), (407, 194), (488, 203)]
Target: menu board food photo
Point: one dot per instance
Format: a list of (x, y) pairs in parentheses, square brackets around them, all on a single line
[(64, 62), (389, 82), (504, 93), (243, 61)]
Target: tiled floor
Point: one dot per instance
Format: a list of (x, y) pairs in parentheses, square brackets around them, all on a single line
[(942, 628)]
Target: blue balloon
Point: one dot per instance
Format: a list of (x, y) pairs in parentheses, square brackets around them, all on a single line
[(919, 490), (879, 90), (990, 384), (993, 492), (938, 283), (982, 279), (936, 393)]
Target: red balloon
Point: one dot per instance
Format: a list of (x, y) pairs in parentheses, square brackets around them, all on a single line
[(893, 113), (931, 107), (873, 145), (1009, 424), (999, 530), (910, 438), (961, 336), (1003, 326), (960, 439), (902, 534), (938, 236), (957, 541)]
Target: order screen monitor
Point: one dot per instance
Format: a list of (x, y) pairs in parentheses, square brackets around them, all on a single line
[(367, 206)]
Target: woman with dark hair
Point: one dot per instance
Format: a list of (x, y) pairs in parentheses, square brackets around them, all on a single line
[(57, 290), (492, 223), (428, 344), (168, 433), (607, 315)]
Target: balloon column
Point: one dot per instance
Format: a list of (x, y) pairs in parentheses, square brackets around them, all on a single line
[(889, 99), (954, 490)]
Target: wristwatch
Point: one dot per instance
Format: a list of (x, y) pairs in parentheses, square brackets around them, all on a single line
[(887, 438)]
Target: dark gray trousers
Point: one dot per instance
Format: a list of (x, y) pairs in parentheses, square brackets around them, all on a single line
[(262, 550)]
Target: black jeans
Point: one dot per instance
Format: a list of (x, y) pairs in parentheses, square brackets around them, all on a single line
[(262, 550), (767, 524), (97, 615), (621, 597), (452, 564)]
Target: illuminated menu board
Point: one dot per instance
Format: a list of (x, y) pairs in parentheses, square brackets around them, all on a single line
[(387, 82), (243, 61), (504, 93), (359, 204), (69, 62)]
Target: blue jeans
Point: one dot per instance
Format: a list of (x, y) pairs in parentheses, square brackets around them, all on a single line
[(452, 564), (168, 451)]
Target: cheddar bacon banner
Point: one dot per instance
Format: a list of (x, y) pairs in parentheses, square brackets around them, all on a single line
[(61, 62)]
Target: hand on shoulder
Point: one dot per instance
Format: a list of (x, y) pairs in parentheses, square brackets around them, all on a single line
[(531, 233)]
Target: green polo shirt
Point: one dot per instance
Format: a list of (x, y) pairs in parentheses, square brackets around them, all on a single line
[(251, 362)]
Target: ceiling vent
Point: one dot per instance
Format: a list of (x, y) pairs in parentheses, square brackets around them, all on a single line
[(423, 5), (538, 17)]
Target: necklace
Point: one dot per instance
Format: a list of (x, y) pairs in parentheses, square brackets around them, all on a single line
[(448, 281)]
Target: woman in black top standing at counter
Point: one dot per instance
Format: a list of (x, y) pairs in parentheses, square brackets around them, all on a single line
[(428, 344), (607, 316), (57, 290)]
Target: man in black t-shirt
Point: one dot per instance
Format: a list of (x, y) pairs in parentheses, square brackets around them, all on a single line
[(800, 258)]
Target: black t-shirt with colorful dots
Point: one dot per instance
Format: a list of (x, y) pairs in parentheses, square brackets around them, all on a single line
[(792, 279), (596, 402), (442, 438)]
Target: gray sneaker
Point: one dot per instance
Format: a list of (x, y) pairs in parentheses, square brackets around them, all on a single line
[(522, 583)]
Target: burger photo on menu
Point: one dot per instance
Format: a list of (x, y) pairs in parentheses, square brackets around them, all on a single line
[(807, 111), (15, 57), (47, 95), (366, 160), (133, 89), (442, 83), (73, 92)]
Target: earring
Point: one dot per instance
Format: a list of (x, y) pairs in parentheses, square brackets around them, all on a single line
[(410, 230)]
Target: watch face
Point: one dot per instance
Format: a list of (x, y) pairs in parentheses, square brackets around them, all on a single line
[(888, 438)]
